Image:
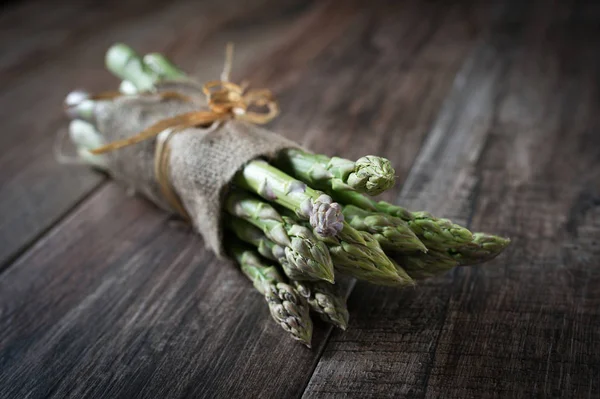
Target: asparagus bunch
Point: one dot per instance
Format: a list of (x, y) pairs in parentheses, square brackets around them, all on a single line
[(306, 218)]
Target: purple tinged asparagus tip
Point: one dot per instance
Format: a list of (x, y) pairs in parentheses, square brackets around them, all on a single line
[(326, 216)]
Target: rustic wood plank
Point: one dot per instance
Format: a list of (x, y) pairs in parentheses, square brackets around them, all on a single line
[(34, 31), (378, 90), (514, 152), (114, 304), (189, 318), (29, 170)]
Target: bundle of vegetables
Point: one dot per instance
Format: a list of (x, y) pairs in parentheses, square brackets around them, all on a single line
[(297, 222)]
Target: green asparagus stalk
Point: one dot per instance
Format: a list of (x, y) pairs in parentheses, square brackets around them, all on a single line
[(163, 67), (125, 63), (324, 215), (255, 236), (306, 256), (483, 248), (422, 266), (393, 233), (359, 255), (326, 300), (370, 174), (287, 307), (258, 213), (435, 233)]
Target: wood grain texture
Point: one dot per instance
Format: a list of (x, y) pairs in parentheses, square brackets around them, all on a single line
[(515, 151), (31, 101), (114, 303), (108, 299), (130, 307)]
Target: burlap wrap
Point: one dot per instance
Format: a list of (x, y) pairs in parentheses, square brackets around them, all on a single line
[(202, 161)]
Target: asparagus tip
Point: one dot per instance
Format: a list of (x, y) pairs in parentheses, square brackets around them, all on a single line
[(372, 175), (326, 216)]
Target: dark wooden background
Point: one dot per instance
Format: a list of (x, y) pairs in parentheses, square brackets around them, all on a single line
[(490, 114)]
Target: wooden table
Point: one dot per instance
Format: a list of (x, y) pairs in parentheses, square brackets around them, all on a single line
[(490, 114)]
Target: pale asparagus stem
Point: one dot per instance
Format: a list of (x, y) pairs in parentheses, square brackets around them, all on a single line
[(128, 88), (326, 300), (392, 233), (306, 257), (125, 63), (163, 67), (85, 137), (79, 105), (259, 177), (287, 307), (370, 174)]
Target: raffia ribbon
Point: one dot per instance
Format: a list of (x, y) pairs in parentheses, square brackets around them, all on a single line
[(226, 100)]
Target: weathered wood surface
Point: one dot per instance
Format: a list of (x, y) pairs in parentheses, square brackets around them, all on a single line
[(515, 150), (101, 296)]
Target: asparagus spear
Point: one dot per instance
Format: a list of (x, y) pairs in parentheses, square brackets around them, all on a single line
[(393, 233), (358, 254), (307, 257), (259, 177), (435, 233), (370, 174), (125, 63), (253, 235), (326, 300), (484, 247), (422, 266), (287, 307), (79, 105), (163, 67)]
